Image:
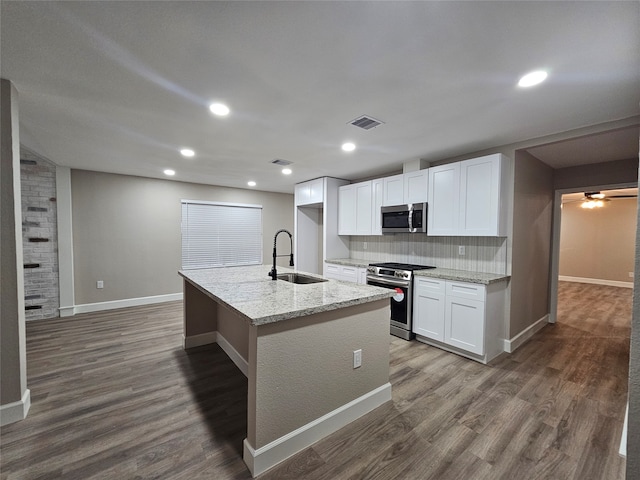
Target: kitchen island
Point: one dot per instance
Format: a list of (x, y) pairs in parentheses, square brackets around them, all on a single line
[(296, 344)]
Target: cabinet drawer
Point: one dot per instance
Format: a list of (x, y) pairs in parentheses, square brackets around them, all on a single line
[(466, 290), (430, 285), (350, 273), (333, 269)]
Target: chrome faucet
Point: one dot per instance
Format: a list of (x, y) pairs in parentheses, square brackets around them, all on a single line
[(274, 273)]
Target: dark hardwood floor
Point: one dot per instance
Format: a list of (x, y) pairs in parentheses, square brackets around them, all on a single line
[(115, 396)]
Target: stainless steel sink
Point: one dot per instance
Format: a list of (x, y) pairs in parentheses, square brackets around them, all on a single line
[(299, 278)]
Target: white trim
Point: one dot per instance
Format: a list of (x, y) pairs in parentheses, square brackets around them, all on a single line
[(511, 345), (234, 355), (67, 311), (596, 281), (262, 459), (64, 209), (124, 303), (15, 411), (623, 439), (199, 340)]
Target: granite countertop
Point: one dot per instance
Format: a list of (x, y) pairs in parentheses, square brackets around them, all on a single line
[(462, 275), (251, 293), (442, 273), (349, 262)]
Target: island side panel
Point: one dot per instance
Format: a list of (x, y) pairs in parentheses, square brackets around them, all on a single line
[(304, 367), (200, 317)]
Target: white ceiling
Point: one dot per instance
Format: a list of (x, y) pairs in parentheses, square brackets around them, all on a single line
[(122, 86)]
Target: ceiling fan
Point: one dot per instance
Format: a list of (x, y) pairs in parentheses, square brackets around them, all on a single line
[(597, 199)]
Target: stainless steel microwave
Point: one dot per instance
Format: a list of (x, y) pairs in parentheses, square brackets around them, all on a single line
[(408, 218)]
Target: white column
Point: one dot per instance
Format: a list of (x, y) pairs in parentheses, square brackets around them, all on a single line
[(65, 241)]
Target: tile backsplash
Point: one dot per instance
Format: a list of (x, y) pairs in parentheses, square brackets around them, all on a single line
[(482, 254)]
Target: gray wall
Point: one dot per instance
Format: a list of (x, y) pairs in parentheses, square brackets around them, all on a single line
[(598, 243), (13, 362), (531, 258), (605, 173), (126, 231)]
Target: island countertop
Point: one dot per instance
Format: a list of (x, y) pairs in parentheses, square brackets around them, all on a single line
[(250, 292)]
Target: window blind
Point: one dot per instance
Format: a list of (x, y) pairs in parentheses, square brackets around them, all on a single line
[(220, 234)]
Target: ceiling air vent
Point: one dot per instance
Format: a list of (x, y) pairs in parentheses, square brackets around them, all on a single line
[(366, 122), (281, 162)]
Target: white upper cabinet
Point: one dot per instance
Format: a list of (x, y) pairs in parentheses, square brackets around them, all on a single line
[(443, 199), (416, 186), (468, 198), (482, 209), (393, 190), (355, 209), (377, 194), (347, 210), (364, 208), (309, 193)]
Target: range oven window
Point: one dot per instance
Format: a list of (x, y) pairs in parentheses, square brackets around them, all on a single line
[(400, 302)]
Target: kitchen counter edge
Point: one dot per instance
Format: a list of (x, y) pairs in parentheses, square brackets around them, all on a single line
[(440, 273)]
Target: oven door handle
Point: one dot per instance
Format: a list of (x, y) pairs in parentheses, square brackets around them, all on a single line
[(391, 283)]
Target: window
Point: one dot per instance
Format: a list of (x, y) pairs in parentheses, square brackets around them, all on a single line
[(220, 234)]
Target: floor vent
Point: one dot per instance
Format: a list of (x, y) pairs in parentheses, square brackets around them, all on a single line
[(365, 122)]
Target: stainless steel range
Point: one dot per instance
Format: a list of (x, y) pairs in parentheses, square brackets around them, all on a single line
[(399, 277)]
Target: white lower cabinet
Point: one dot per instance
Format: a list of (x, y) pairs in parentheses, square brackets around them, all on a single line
[(345, 273), (465, 318)]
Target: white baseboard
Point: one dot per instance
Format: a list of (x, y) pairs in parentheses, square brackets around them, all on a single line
[(199, 340), (511, 345), (15, 411), (264, 458), (234, 355), (596, 281), (126, 302)]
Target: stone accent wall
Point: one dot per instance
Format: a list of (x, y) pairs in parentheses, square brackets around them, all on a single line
[(39, 237)]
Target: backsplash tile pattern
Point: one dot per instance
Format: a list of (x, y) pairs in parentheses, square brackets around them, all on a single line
[(482, 254)]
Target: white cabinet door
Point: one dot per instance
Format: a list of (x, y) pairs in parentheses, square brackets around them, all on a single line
[(364, 209), (464, 325), (480, 189), (416, 186), (377, 191), (443, 198), (393, 190), (429, 308), (347, 210), (309, 193), (316, 191)]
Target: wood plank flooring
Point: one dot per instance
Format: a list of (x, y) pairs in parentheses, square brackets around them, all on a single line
[(115, 396)]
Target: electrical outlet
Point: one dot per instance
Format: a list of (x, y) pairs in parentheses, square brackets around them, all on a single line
[(630, 274), (100, 284), (357, 358), (364, 245), (461, 250)]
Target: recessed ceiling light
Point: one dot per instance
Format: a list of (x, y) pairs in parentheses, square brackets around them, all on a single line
[(169, 172), (187, 152), (251, 183), (348, 147), (219, 109), (532, 78), (286, 171)]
